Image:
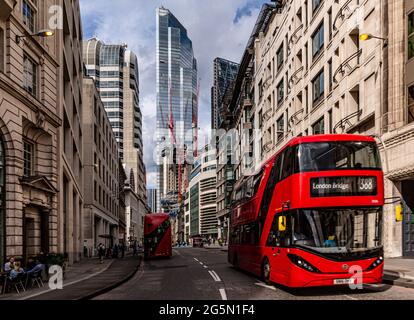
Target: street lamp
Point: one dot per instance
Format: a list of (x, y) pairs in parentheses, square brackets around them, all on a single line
[(368, 36), (41, 33)]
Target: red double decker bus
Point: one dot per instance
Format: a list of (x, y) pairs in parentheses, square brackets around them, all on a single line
[(312, 215), (157, 236)]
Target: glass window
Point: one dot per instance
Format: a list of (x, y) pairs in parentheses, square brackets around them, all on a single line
[(316, 4), (411, 104), (279, 57), (337, 231), (280, 92), (346, 155), (2, 204), (318, 40), (411, 35), (270, 186), (28, 156), (287, 168), (280, 127), (319, 127), (29, 76), (28, 16), (318, 84)]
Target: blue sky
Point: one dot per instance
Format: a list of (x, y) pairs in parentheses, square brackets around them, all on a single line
[(218, 28)]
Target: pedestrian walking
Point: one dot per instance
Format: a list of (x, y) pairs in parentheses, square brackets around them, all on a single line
[(101, 252)]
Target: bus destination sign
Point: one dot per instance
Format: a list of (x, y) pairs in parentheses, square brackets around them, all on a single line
[(343, 186)]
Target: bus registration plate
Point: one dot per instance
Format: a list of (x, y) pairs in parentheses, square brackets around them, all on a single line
[(344, 281)]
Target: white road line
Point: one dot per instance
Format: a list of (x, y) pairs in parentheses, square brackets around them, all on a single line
[(196, 259), (261, 284), (350, 297), (215, 276), (223, 294), (205, 267), (201, 263)]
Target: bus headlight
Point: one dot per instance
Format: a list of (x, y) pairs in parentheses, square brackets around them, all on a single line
[(302, 263), (376, 263)]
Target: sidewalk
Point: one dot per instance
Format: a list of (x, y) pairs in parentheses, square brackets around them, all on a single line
[(399, 272), (85, 280), (215, 246)]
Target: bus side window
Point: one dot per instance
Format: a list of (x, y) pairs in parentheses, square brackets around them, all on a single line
[(287, 168), (277, 238)]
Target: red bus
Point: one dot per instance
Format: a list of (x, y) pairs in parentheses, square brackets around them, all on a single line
[(157, 235), (312, 215)]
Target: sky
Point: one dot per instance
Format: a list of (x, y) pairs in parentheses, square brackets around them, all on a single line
[(217, 28)]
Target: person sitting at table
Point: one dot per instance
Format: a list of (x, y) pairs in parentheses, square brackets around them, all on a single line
[(8, 266), (16, 271), (36, 268)]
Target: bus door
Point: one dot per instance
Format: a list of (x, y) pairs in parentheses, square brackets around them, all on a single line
[(277, 244)]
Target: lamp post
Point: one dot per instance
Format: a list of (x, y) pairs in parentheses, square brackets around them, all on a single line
[(41, 34)]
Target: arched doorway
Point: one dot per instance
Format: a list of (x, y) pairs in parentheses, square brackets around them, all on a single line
[(2, 203)]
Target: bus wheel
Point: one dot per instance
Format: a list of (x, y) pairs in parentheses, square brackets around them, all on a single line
[(266, 271)]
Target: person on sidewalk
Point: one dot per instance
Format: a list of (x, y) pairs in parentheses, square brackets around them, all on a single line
[(122, 248), (101, 252)]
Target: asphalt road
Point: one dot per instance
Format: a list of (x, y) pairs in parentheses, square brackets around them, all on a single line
[(204, 274)]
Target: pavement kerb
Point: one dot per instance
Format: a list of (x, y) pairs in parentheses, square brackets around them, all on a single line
[(113, 286), (71, 283), (399, 279)]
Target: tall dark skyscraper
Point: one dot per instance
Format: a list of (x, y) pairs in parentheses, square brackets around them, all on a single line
[(177, 109), (225, 72)]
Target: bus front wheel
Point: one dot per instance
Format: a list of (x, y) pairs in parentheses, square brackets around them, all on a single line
[(266, 271)]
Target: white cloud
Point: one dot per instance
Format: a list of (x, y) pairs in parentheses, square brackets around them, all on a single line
[(210, 25)]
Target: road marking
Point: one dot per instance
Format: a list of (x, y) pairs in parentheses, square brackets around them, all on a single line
[(261, 284), (205, 267), (223, 294), (201, 263), (215, 276), (196, 259), (350, 297)]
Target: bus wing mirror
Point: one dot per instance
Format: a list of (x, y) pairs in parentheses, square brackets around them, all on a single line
[(282, 224), (399, 213)]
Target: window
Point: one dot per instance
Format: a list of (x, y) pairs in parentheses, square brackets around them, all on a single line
[(330, 74), (330, 23), (318, 85), (28, 16), (29, 76), (279, 57), (280, 92), (411, 104), (28, 156), (319, 127), (2, 55), (411, 35), (280, 128), (287, 169), (316, 4), (318, 40)]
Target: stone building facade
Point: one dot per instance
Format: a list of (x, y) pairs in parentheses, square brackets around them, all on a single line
[(101, 213), (29, 131), (307, 71)]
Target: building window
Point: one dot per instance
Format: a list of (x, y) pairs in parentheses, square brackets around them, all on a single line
[(29, 75), (319, 127), (280, 57), (2, 203), (330, 75), (280, 128), (28, 16), (28, 156), (318, 40), (318, 85), (316, 4), (411, 35), (330, 23), (280, 92), (2, 50), (411, 104)]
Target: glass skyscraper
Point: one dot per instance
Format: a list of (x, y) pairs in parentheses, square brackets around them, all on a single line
[(177, 110), (225, 72)]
